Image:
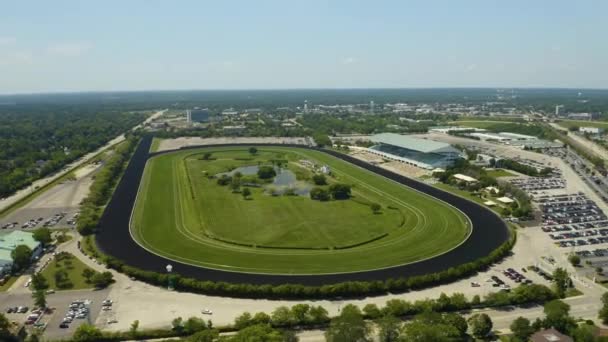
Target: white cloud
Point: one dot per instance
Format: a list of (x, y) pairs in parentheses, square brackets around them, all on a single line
[(7, 40), (15, 58), (73, 49), (349, 60)]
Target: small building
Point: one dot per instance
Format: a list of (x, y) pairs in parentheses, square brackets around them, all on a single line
[(233, 129), (490, 203), (230, 111), (505, 200), (591, 130), (492, 189), (325, 170), (550, 335), (465, 179)]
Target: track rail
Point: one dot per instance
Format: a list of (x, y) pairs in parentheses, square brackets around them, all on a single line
[(488, 231)]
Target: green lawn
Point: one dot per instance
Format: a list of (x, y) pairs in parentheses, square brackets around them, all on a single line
[(11, 280), (578, 123), (183, 214), (466, 194), (155, 144), (73, 267), (499, 173)]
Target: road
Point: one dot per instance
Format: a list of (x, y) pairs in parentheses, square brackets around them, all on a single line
[(20, 194), (584, 142)]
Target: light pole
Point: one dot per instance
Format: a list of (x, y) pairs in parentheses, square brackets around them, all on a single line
[(170, 281)]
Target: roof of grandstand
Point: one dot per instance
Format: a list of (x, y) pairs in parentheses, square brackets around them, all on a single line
[(410, 143)]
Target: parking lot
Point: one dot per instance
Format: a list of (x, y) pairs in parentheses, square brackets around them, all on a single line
[(59, 304)]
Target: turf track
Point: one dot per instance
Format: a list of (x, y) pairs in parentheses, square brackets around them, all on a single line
[(114, 238)]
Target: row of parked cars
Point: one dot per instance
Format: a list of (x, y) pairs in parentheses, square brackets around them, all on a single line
[(78, 309), (539, 183), (598, 252)]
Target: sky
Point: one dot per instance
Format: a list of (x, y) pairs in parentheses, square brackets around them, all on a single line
[(64, 46)]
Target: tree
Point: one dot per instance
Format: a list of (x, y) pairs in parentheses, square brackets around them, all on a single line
[(177, 324), (319, 179), (87, 333), (318, 314), (561, 281), (322, 140), (585, 333), (557, 315), (204, 336), (5, 333), (88, 273), (521, 328), (194, 324), (43, 235), (575, 260), (375, 208), (243, 321), (39, 282), (371, 311), (260, 318), (102, 280), (133, 328), (603, 314), (258, 332), (246, 193), (349, 326), (282, 316), (253, 150), (300, 313), (481, 325), (207, 156), (22, 256), (340, 191), (388, 328), (456, 321), (39, 298), (235, 183), (266, 172), (319, 194)]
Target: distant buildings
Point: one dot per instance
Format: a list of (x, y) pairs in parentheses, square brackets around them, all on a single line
[(591, 130), (232, 130), (559, 110), (198, 115)]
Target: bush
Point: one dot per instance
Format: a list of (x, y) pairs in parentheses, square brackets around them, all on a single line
[(319, 194), (319, 179), (340, 191), (266, 172)]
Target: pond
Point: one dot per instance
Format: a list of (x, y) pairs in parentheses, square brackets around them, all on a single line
[(283, 181)]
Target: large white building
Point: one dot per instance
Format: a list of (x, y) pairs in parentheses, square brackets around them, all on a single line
[(426, 154)]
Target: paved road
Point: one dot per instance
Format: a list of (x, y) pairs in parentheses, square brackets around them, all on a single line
[(6, 202)]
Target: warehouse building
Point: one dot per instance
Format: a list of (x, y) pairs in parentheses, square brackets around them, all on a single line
[(426, 154), (10, 241)]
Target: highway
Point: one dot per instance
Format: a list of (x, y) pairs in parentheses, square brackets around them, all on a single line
[(20, 194)]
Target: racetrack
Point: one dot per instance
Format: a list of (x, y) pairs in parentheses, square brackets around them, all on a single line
[(114, 238)]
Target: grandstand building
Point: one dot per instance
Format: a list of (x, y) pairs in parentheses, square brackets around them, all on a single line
[(422, 153)]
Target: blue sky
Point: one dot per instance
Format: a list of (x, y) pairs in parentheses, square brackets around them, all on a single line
[(140, 45)]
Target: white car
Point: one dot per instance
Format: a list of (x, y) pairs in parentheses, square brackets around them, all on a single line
[(207, 312), (106, 308), (110, 321)]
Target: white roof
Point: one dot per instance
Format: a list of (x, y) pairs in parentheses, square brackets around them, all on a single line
[(505, 200), (464, 178), (416, 144), (489, 203)]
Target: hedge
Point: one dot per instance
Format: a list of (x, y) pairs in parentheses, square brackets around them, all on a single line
[(297, 291)]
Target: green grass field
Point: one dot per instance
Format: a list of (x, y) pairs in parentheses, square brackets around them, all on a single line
[(183, 214), (499, 173), (73, 268), (578, 123), (155, 144)]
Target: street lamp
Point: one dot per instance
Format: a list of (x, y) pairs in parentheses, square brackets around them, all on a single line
[(169, 268)]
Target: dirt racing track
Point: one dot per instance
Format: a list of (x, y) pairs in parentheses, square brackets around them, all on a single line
[(114, 238)]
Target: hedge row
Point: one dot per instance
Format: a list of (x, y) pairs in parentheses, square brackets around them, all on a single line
[(296, 291), (305, 316)]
